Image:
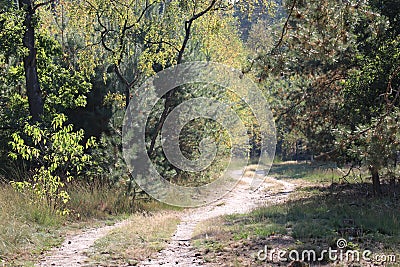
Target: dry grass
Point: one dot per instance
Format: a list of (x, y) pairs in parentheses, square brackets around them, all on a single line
[(313, 217), (94, 201), (29, 228), (211, 236), (251, 171), (138, 240), (26, 228), (210, 228), (226, 242), (252, 167)]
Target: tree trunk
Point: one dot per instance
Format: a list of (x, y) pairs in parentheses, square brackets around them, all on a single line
[(376, 184), (33, 91), (171, 94)]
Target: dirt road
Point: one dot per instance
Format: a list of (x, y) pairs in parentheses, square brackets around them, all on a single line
[(242, 199), (179, 251)]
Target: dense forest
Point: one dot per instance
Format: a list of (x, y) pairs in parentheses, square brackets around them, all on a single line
[(329, 70)]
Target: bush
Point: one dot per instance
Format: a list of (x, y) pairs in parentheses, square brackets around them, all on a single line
[(56, 155)]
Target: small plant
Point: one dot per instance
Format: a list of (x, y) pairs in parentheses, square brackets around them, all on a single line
[(56, 156)]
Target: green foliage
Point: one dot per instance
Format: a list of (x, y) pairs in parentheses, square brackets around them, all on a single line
[(332, 81), (11, 32), (134, 40), (371, 99), (64, 88), (58, 155)]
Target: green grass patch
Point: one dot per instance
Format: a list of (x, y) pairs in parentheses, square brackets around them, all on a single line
[(328, 216), (312, 172), (316, 220)]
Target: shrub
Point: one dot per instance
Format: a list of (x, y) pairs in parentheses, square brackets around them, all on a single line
[(55, 154)]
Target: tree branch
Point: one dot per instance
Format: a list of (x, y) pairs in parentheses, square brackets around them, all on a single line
[(170, 94), (42, 4), (285, 27), (279, 43), (198, 15), (164, 42)]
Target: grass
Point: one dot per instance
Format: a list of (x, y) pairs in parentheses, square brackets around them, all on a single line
[(95, 201), (143, 236), (314, 217), (315, 222), (310, 172), (26, 228)]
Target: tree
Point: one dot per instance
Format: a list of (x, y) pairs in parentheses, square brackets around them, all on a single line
[(33, 90), (192, 13), (136, 39), (33, 121), (335, 63), (372, 93)]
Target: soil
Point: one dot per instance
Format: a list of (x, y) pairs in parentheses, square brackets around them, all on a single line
[(242, 199), (71, 252), (179, 251)]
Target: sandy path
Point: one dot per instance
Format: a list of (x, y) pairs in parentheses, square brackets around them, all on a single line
[(71, 251), (242, 199), (179, 251)]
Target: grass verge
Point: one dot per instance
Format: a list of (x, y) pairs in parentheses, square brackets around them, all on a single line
[(315, 222), (26, 228), (139, 239), (313, 218), (306, 171)]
